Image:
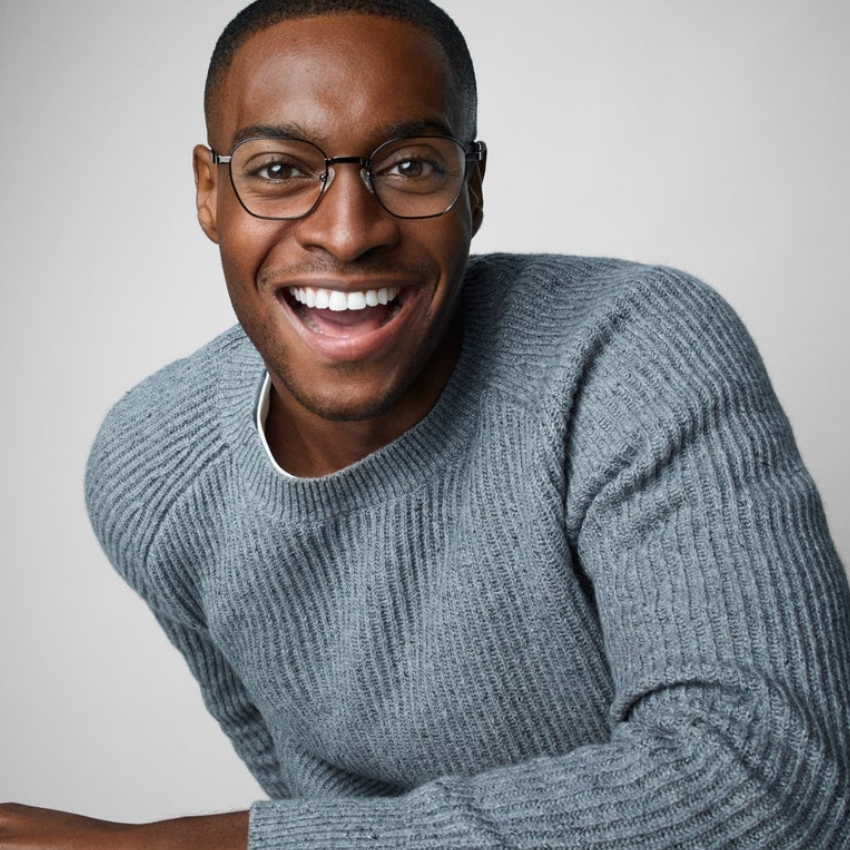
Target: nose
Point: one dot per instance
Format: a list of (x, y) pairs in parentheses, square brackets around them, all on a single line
[(365, 174), (349, 221)]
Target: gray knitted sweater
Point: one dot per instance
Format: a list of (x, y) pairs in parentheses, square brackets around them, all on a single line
[(589, 601)]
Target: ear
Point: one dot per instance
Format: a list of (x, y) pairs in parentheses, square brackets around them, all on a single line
[(206, 190), (476, 193)]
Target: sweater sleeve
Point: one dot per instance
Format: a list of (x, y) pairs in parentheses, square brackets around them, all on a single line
[(131, 504), (724, 608), (229, 703)]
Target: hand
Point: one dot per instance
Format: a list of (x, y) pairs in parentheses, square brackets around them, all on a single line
[(28, 828)]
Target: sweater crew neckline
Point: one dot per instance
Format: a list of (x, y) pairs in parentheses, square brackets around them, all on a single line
[(392, 471)]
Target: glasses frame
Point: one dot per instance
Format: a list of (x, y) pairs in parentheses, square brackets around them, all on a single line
[(476, 151)]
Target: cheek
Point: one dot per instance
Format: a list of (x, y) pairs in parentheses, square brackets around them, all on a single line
[(455, 241), (245, 245), (242, 258), (460, 227)]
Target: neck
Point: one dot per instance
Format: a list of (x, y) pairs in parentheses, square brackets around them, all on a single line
[(309, 445)]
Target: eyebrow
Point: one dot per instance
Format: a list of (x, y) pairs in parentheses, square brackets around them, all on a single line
[(293, 130), (427, 127), (270, 131)]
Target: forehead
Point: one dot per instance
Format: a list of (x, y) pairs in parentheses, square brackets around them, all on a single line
[(341, 79)]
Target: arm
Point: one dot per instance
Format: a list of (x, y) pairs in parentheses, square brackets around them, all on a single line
[(28, 828), (229, 703), (129, 500)]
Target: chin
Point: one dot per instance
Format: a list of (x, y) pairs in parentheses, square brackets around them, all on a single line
[(346, 407)]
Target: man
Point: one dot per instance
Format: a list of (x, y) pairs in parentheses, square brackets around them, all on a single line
[(514, 551)]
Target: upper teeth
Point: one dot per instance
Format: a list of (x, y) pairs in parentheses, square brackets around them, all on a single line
[(334, 299)]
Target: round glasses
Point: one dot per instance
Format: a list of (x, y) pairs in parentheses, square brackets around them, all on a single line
[(418, 177)]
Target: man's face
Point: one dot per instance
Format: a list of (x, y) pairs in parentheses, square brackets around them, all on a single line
[(347, 83)]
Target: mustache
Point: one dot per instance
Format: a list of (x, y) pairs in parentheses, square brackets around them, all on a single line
[(368, 266)]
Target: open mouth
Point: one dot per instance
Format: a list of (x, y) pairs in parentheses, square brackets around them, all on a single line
[(335, 313)]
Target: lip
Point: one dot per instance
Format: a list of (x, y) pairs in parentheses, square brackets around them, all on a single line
[(360, 346)]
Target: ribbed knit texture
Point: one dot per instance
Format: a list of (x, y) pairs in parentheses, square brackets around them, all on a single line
[(590, 601)]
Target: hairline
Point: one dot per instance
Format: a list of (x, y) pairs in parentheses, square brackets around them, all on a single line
[(465, 95)]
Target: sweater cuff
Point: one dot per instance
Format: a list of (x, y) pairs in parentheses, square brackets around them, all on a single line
[(396, 823)]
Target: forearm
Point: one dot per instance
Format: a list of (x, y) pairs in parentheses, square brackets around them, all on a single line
[(207, 832), (29, 828), (700, 766)]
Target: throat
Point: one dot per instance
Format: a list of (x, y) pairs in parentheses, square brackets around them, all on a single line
[(313, 447)]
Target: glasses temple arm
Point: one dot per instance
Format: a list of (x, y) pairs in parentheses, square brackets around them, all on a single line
[(478, 152)]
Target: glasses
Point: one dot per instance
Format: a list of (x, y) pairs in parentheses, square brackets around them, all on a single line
[(419, 177)]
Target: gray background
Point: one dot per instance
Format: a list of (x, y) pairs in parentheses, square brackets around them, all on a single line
[(710, 136)]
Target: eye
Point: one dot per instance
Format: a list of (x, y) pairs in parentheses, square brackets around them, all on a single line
[(412, 168), (419, 165), (277, 167), (275, 171), (277, 178)]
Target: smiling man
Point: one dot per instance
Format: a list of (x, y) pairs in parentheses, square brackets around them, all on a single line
[(344, 275), (463, 552)]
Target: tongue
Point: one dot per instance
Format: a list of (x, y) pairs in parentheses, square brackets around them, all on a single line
[(345, 323)]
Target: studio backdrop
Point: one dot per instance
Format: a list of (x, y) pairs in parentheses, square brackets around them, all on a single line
[(710, 136)]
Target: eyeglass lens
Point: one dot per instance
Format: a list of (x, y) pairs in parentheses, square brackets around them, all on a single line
[(284, 178)]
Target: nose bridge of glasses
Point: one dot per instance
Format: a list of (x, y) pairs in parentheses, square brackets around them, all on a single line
[(364, 170)]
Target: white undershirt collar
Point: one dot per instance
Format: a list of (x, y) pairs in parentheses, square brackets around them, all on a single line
[(262, 416)]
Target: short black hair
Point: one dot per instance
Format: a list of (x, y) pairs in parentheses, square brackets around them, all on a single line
[(423, 14)]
